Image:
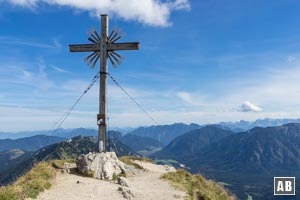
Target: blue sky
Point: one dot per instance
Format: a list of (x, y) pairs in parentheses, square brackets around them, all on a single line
[(200, 61)]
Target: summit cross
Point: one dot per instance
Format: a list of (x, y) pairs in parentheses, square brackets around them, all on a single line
[(103, 47)]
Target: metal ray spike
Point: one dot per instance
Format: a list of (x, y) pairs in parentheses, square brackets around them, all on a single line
[(92, 40), (94, 35), (113, 37), (121, 35), (97, 35), (114, 59), (118, 55), (117, 33), (91, 61), (91, 31), (87, 62), (97, 58), (111, 34), (88, 57), (95, 38), (112, 62), (119, 61)]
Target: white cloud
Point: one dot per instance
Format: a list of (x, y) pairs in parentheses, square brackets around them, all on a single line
[(194, 99), (26, 74), (291, 59), (31, 43), (180, 5), (59, 69), (249, 107), (277, 89), (25, 3), (150, 12), (17, 76), (186, 97), (57, 44)]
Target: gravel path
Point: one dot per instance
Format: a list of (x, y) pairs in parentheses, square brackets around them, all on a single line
[(144, 186), (149, 186)]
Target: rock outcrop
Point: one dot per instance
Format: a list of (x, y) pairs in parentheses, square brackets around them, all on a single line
[(100, 165)]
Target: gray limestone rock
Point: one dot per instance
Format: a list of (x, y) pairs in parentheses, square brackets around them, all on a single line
[(123, 181), (100, 165)]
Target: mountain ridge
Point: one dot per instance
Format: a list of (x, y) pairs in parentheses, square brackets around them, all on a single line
[(31, 143), (192, 142), (164, 133), (249, 160), (69, 149)]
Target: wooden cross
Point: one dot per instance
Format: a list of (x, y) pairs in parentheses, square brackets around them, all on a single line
[(103, 47)]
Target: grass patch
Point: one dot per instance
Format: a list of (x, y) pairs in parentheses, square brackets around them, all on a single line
[(196, 186), (90, 173), (9, 193), (116, 176), (148, 152), (129, 160), (144, 159), (31, 184), (169, 162), (59, 164)]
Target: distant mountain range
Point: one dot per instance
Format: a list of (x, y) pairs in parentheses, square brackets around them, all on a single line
[(243, 125), (65, 133), (246, 162), (32, 143), (23, 134), (164, 133)]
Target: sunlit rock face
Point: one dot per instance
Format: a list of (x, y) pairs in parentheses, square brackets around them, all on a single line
[(100, 165)]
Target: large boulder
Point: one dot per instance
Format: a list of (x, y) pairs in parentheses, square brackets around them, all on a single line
[(100, 165)]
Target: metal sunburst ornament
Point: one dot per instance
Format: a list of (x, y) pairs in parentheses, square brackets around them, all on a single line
[(115, 58)]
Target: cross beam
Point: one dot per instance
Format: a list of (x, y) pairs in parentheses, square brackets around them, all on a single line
[(109, 47), (103, 47)]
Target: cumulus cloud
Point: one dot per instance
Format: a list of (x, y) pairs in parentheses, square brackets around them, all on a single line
[(150, 12), (249, 107)]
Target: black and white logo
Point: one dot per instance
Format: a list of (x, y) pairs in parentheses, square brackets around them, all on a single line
[(284, 185)]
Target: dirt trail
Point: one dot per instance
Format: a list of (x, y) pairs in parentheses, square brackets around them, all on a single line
[(144, 186)]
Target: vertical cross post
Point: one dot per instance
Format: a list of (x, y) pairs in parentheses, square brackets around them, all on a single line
[(103, 87)]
